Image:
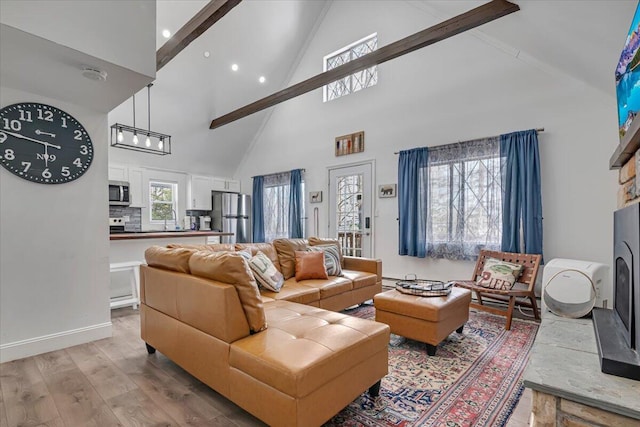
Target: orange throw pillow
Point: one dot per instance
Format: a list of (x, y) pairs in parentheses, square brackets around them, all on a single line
[(310, 265)]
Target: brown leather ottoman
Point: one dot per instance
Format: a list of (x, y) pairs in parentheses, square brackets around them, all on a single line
[(425, 319)]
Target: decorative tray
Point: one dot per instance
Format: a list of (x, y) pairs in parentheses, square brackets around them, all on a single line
[(422, 287)]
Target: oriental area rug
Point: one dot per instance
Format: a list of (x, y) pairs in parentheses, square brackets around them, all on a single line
[(473, 380)]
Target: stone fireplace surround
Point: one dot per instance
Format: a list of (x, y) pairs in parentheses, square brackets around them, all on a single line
[(629, 190)]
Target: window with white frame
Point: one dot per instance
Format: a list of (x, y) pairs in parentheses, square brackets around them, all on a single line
[(163, 200), (464, 199), (356, 81)]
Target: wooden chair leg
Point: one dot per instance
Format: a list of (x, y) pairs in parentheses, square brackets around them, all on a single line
[(534, 305), (479, 297), (512, 302)]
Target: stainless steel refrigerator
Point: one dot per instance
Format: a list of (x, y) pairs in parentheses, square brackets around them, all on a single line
[(232, 213)]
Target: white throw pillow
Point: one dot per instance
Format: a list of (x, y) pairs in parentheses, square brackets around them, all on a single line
[(265, 272)]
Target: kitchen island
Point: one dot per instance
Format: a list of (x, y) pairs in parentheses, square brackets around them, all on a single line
[(127, 247), (138, 235), (126, 252)]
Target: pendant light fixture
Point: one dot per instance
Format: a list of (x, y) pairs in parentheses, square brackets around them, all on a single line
[(118, 139), (147, 141), (135, 134)]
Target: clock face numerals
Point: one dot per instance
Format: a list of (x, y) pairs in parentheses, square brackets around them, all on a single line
[(43, 144)]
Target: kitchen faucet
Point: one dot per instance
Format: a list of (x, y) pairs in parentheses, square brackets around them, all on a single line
[(175, 220)]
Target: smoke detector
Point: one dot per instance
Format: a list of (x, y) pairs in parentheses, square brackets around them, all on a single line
[(94, 74)]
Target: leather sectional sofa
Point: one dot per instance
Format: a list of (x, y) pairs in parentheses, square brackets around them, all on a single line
[(288, 358)]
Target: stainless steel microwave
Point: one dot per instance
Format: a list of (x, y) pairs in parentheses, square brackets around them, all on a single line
[(119, 193)]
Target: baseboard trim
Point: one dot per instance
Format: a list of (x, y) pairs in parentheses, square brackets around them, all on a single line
[(43, 344)]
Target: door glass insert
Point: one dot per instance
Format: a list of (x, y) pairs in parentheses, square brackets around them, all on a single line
[(349, 213)]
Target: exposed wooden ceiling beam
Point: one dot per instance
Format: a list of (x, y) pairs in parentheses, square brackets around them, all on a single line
[(456, 25), (208, 15)]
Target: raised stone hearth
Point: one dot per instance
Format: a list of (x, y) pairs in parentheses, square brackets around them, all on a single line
[(568, 387)]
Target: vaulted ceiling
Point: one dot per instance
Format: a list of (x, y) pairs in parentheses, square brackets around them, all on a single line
[(267, 38)]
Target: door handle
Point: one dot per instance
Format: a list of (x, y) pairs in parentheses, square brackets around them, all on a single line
[(367, 222)]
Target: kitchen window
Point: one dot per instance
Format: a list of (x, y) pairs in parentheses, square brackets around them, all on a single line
[(163, 199), (356, 81)]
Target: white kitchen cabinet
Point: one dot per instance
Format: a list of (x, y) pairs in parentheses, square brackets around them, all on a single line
[(221, 184), (199, 192), (200, 187), (137, 190), (233, 186), (118, 172)]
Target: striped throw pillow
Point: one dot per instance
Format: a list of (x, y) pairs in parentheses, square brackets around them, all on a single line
[(331, 258)]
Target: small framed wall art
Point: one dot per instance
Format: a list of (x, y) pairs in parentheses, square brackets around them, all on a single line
[(387, 190), (350, 144), (315, 196)]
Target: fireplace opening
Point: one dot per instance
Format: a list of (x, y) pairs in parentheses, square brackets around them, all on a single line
[(623, 293)]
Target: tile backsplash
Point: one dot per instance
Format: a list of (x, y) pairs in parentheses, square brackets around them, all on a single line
[(134, 214)]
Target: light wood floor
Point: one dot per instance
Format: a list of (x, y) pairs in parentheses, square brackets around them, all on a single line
[(113, 382)]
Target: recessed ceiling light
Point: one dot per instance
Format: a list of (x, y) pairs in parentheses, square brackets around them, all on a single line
[(234, 67), (206, 54), (166, 33), (262, 79)]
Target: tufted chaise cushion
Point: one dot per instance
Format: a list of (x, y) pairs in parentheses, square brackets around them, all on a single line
[(306, 347)]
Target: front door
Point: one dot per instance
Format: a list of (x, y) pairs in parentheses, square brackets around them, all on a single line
[(350, 208)]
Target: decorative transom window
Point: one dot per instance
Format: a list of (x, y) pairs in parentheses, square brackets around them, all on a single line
[(356, 81), (163, 199), (464, 199)]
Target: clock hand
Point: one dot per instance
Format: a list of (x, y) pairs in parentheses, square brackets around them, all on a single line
[(46, 157), (41, 132), (17, 135)]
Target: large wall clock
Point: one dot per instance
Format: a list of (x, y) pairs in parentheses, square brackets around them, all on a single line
[(43, 144)]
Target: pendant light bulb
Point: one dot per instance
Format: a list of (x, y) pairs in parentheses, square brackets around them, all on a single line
[(120, 135), (135, 138), (147, 141), (160, 144)]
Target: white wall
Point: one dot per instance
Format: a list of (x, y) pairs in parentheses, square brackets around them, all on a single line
[(113, 30), (458, 89), (54, 250), (54, 245)]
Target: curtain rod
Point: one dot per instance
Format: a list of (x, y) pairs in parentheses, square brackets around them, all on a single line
[(538, 130), (276, 173)]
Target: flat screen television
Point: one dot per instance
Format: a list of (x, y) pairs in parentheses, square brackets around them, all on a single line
[(627, 81)]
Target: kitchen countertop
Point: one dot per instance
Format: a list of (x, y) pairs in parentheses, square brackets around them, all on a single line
[(164, 234)]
